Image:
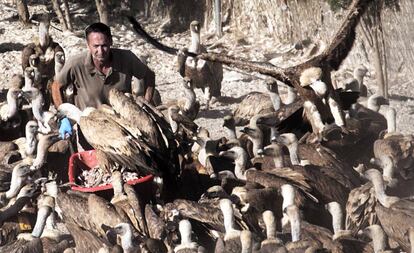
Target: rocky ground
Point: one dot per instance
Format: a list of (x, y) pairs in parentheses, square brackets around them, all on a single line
[(236, 84)]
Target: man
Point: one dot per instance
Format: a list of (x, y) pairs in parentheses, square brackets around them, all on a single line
[(101, 68)]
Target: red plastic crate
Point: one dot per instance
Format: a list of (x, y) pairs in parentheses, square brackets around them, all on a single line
[(86, 160)]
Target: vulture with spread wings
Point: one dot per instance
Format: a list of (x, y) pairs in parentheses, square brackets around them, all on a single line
[(128, 136), (330, 59)]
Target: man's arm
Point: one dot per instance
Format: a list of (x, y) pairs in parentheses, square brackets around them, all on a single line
[(149, 83), (56, 94), (65, 128)]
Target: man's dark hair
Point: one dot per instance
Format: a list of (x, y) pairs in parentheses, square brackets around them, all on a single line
[(99, 28)]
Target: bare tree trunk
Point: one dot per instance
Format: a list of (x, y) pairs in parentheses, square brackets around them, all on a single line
[(217, 18), (23, 11), (378, 66), (380, 54), (102, 7), (371, 26), (147, 8), (384, 58), (209, 15), (227, 13), (68, 18), (380, 47), (58, 11), (288, 21)]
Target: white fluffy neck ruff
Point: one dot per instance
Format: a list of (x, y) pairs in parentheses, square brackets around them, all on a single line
[(373, 103), (319, 87), (87, 111), (70, 111)]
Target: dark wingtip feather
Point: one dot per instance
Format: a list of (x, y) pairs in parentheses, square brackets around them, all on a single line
[(148, 38), (348, 98), (138, 28)]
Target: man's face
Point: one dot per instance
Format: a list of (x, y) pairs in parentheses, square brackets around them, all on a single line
[(99, 46)]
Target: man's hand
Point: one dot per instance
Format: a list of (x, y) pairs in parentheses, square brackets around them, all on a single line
[(65, 129)]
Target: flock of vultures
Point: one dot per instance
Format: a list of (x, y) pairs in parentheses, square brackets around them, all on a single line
[(320, 170)]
